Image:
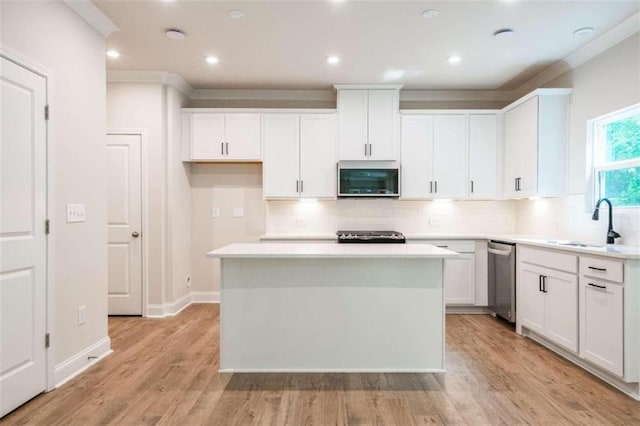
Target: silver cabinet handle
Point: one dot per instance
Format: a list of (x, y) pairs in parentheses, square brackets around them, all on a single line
[(436, 186), (472, 187), (297, 186), (227, 146), (370, 151), (301, 186), (222, 148), (135, 234), (430, 187)]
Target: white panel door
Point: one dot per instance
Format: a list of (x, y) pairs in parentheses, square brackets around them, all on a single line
[(483, 140), (352, 124), (417, 156), (561, 308), (531, 298), (23, 243), (207, 136), (318, 145), (124, 224), (450, 157), (383, 109), (281, 162), (602, 324), (459, 280), (242, 136)]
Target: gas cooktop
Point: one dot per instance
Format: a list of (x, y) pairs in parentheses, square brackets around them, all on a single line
[(370, 237)]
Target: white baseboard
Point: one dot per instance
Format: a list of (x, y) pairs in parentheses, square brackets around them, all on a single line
[(78, 363), (467, 310), (172, 309)]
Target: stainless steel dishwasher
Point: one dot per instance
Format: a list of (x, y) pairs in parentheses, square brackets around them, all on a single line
[(502, 279)]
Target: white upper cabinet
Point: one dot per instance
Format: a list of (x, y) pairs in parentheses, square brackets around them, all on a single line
[(368, 123), (450, 154), (436, 157), (299, 156), (483, 156), (536, 138), (222, 137)]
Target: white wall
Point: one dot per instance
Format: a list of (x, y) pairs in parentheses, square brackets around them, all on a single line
[(606, 83), (53, 35)]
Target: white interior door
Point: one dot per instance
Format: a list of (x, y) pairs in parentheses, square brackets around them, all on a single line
[(124, 224), (23, 242)]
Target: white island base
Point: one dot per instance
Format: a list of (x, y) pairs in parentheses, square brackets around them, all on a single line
[(347, 311)]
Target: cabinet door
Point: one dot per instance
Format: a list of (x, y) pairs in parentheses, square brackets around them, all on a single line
[(483, 140), (530, 308), (521, 149), (207, 136), (561, 309), (459, 280), (318, 144), (280, 167), (417, 155), (383, 108), (601, 324), (352, 124), (242, 134), (450, 158)]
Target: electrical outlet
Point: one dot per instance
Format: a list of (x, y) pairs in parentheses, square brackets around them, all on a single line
[(434, 221), (82, 315), (215, 212), (188, 281), (75, 213), (238, 212)]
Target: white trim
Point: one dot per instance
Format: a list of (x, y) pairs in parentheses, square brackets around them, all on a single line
[(79, 362), (331, 370), (368, 86), (160, 77), (172, 309), (631, 389), (455, 95), (450, 111), (94, 16), (261, 111), (48, 74), (264, 95), (538, 92), (145, 208), (467, 310)]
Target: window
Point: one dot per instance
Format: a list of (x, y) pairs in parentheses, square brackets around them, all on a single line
[(616, 157)]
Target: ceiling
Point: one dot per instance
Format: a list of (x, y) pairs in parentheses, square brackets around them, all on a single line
[(285, 44)]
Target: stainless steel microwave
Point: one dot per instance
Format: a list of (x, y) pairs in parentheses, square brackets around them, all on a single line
[(368, 179)]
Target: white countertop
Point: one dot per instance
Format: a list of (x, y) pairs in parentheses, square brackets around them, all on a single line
[(609, 250), (311, 250)]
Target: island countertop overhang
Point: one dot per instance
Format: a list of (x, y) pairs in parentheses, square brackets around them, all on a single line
[(332, 251)]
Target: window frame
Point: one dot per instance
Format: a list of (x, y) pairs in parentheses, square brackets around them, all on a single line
[(597, 137)]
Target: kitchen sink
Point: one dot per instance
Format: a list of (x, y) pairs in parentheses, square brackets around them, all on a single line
[(573, 244)]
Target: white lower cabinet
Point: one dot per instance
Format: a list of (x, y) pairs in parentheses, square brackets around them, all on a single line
[(459, 280), (548, 298), (602, 324)]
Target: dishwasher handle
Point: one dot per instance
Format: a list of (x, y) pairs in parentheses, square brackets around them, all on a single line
[(499, 252)]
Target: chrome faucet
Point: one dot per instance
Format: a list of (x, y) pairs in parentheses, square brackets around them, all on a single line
[(611, 234)]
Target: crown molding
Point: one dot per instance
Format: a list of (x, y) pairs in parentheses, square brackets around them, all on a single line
[(455, 95), (94, 16), (595, 47), (160, 77), (258, 94)]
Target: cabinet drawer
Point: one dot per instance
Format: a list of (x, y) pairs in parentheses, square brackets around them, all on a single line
[(460, 246), (549, 259), (603, 268)]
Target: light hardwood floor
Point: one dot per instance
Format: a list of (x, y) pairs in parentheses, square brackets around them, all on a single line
[(165, 372)]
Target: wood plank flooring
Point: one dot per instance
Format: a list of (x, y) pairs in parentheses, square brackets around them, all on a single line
[(164, 371)]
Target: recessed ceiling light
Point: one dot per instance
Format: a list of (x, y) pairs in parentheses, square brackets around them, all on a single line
[(430, 13), (113, 54), (582, 32), (503, 34), (235, 14), (333, 60), (454, 59), (212, 60), (174, 34)]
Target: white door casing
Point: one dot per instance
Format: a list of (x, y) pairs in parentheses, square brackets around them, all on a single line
[(23, 241), (124, 224)]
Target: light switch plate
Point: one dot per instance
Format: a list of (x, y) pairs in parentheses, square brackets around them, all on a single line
[(215, 212), (434, 221), (75, 213), (82, 315), (238, 212)]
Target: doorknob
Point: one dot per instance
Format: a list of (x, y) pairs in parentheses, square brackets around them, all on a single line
[(135, 234)]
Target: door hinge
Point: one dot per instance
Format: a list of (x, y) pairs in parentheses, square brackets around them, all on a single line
[(47, 227), (47, 340), (46, 112)]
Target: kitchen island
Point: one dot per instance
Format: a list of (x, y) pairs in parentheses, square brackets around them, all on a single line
[(331, 307)]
